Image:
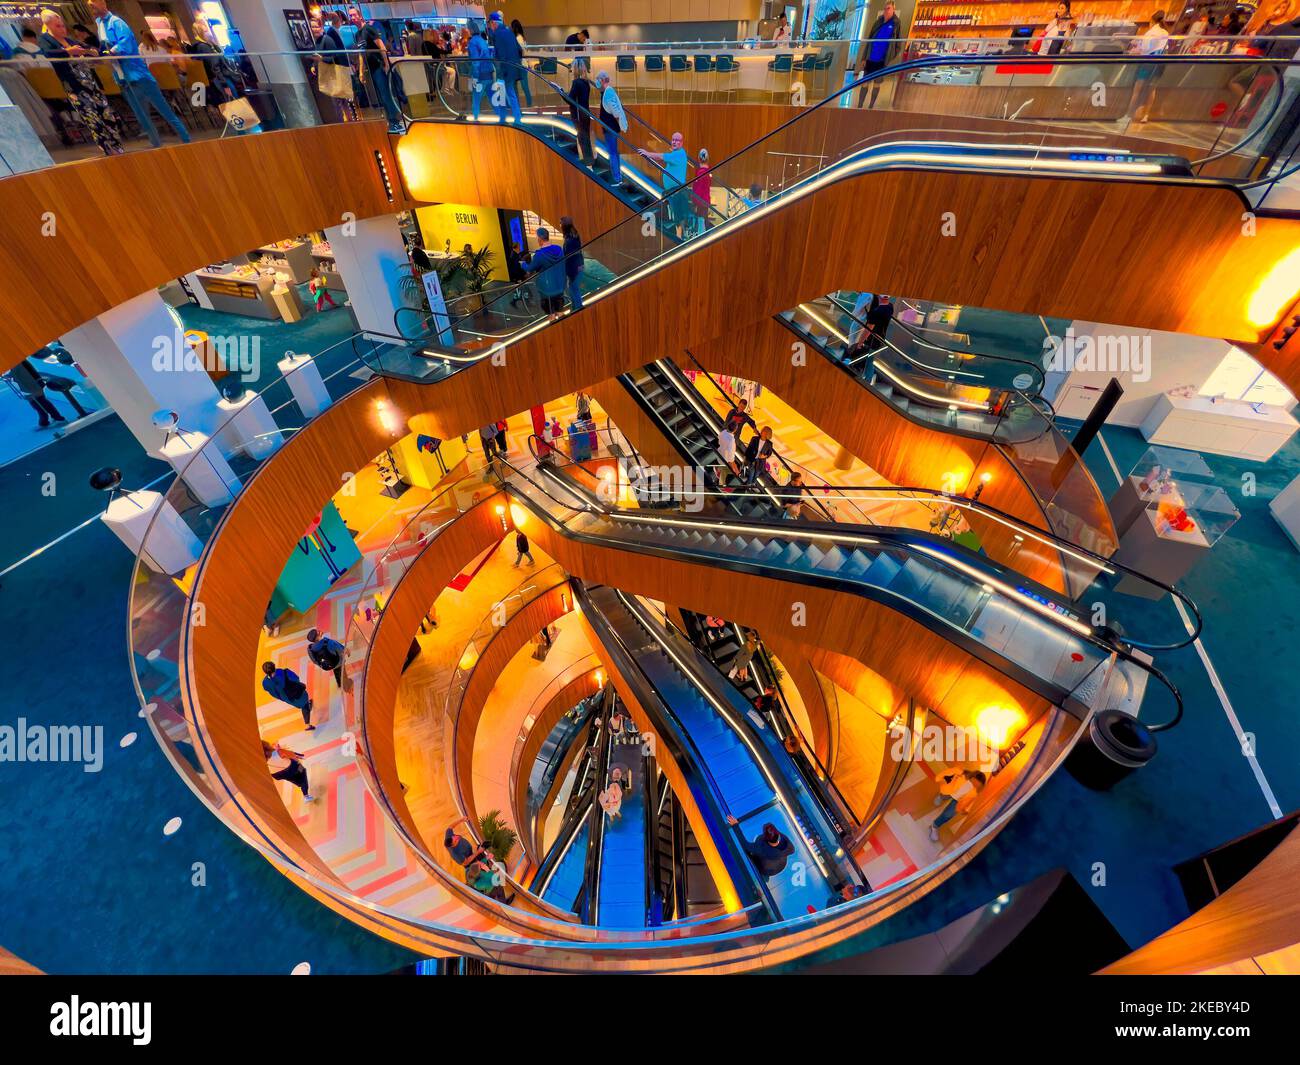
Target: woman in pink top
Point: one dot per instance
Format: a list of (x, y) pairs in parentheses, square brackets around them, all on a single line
[(702, 192)]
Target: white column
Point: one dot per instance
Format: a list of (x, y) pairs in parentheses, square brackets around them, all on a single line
[(262, 28), (371, 257), (133, 355)]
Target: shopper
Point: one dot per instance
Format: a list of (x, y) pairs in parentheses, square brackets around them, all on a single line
[(223, 72), (881, 42), (738, 417), (80, 82), (1153, 42), (580, 110), (488, 438), (879, 317), (319, 291), (283, 684), (770, 850), (330, 48), (957, 792), (702, 192), (613, 121), (326, 654), (744, 657), (1051, 39), (757, 452), (673, 162), (461, 849), (517, 28), (792, 496), (502, 444), (506, 52), (376, 68), (576, 41), (583, 403), (28, 380), (727, 452), (522, 550), (480, 69), (768, 704), (611, 799), (287, 765), (547, 263), (573, 267)]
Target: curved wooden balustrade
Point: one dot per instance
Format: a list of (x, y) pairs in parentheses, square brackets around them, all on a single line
[(1256, 916), (1098, 258), (585, 684)]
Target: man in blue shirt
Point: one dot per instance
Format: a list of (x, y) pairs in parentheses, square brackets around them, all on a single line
[(884, 38), (132, 74), (509, 59), (548, 264)]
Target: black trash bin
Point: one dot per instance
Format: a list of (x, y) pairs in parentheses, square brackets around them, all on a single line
[(1115, 745)]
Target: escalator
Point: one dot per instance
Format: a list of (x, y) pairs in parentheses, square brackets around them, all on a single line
[(728, 755), (619, 871), (722, 644), (1020, 629)]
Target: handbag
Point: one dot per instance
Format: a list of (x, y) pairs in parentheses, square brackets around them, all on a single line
[(334, 80)]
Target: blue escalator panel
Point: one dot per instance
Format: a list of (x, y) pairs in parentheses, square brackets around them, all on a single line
[(622, 899), (566, 881)]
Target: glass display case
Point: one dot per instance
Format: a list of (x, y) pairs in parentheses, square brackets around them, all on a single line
[(1168, 514)]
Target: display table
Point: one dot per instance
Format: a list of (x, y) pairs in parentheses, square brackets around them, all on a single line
[(208, 475), (233, 293), (306, 383), (1228, 427), (1285, 507), (172, 547), (247, 426), (1153, 548), (293, 260)]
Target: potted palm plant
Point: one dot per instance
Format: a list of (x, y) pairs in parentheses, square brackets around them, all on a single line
[(496, 835)]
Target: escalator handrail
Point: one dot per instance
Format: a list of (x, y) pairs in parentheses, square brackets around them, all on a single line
[(596, 836), (1044, 536), (734, 399), (564, 95), (1046, 423), (913, 64), (877, 813), (1039, 374), (742, 723), (651, 130), (757, 883)]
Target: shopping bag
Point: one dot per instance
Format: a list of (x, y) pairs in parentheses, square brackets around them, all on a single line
[(335, 80), (239, 114)]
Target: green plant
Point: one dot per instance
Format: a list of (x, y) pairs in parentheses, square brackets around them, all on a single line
[(828, 26), (477, 267), (496, 835)]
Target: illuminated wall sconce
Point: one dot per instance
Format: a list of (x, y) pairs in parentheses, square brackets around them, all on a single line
[(387, 417), (984, 479), (997, 724), (518, 515), (501, 517), (600, 679), (1275, 291), (564, 601)]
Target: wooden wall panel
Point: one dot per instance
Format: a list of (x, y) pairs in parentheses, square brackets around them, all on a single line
[(129, 223), (1257, 915)]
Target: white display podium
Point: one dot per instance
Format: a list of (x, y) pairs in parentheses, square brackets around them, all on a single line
[(1285, 508), (172, 546), (247, 426), (207, 475), (306, 383), (1229, 427)]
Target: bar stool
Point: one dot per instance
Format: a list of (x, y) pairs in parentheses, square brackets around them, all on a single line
[(654, 64), (823, 62), (725, 66), (782, 64), (678, 64), (703, 65), (624, 64), (548, 68)]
